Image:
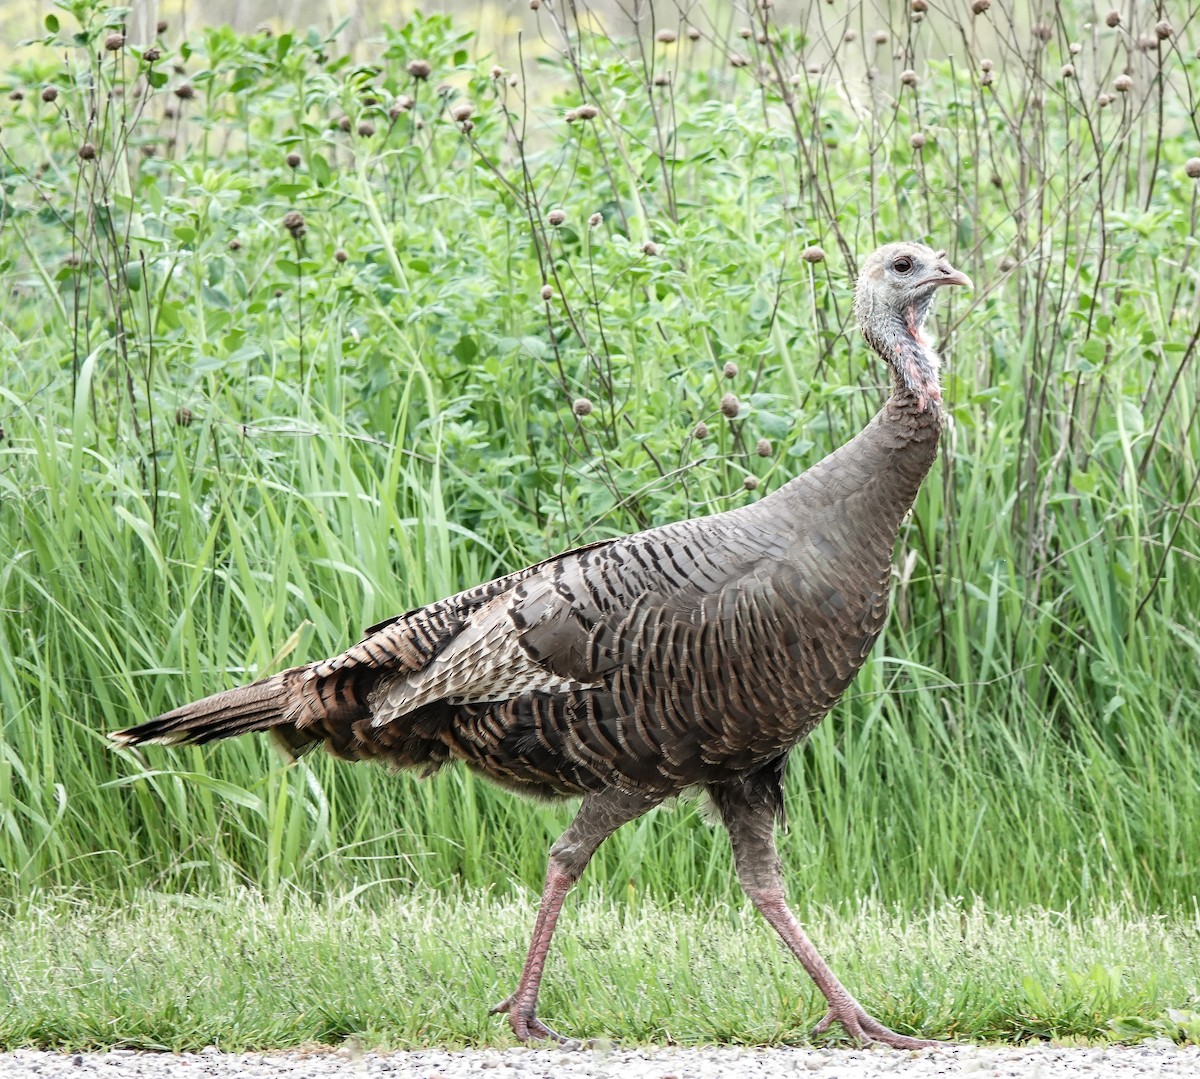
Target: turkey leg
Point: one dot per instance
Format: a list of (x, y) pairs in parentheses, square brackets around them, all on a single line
[(599, 816), (750, 819)]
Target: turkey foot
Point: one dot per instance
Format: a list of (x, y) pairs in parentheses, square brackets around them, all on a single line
[(526, 1025), (866, 1028)]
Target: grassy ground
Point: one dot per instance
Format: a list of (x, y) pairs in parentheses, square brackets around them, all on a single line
[(419, 970), (230, 442)]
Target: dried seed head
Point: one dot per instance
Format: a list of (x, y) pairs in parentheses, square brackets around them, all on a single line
[(813, 254), (1192, 167), (151, 54), (650, 248), (665, 37), (497, 71), (1068, 71), (917, 16), (730, 405), (340, 255), (744, 32), (763, 448), (693, 34), (185, 92), (581, 406), (467, 126), (114, 42), (916, 140), (277, 293), (1145, 42), (49, 94), (1075, 48), (547, 293), (1007, 263), (183, 417), (16, 95), (293, 221), (462, 112), (1122, 84), (403, 103), (986, 65), (293, 160), (160, 27), (169, 113), (662, 79), (920, 5), (850, 36), (587, 112), (700, 431), (880, 37), (87, 152), (556, 217), (235, 244), (750, 483), (813, 68), (370, 99), (419, 69), (1163, 30), (1113, 18), (366, 128), (761, 39), (738, 60), (730, 370), (908, 77), (980, 6), (343, 122), (1042, 31), (1104, 100), (534, 4), (513, 80)]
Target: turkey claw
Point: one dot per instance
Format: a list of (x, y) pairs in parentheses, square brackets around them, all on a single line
[(527, 1026), (866, 1029)]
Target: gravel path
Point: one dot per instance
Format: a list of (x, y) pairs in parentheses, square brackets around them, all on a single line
[(1152, 1059)]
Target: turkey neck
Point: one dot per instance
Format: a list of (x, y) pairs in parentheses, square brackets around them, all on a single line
[(870, 482)]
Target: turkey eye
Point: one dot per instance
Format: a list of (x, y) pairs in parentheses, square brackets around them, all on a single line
[(902, 265)]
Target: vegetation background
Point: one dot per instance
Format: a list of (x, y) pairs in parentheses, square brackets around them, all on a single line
[(294, 336)]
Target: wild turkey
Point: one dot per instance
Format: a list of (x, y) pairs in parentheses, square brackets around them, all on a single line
[(691, 656)]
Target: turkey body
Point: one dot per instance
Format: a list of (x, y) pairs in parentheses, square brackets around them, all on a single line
[(672, 658), (692, 655)]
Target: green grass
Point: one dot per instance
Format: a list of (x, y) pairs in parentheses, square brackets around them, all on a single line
[(225, 449), (239, 972)]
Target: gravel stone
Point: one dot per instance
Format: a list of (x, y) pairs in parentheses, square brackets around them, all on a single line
[(1154, 1059)]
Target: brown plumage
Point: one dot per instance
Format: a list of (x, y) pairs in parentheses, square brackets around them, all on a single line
[(695, 655)]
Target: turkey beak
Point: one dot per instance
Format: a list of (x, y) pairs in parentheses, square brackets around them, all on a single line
[(948, 275)]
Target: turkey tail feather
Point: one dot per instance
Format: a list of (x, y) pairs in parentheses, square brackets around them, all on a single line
[(260, 706)]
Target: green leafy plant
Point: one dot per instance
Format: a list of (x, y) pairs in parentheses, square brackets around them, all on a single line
[(293, 338)]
